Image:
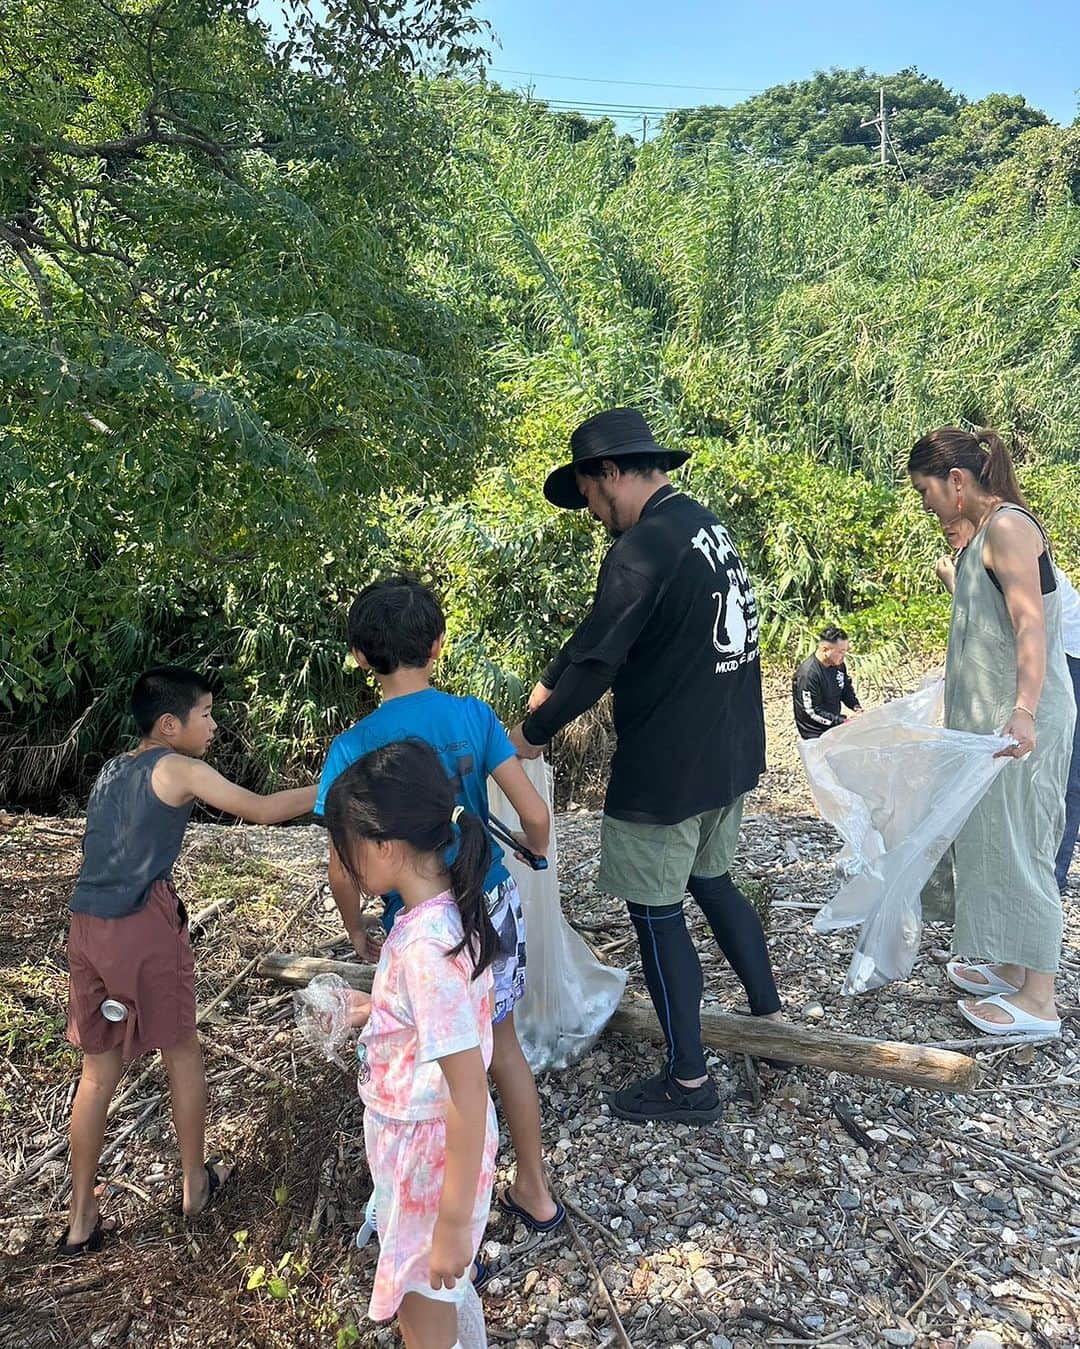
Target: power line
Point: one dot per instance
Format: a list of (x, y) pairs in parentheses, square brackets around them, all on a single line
[(639, 84), (629, 109)]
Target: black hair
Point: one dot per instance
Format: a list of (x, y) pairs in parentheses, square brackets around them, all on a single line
[(394, 622), (644, 464), (832, 634), (166, 690), (401, 792)]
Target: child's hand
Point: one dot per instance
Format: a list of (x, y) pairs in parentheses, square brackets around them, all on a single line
[(521, 857), (367, 943), (357, 1007), (451, 1253)]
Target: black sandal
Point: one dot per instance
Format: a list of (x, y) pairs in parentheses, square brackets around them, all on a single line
[(90, 1246)]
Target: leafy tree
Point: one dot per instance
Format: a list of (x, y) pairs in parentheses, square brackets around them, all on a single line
[(985, 134), (819, 120), (940, 140), (215, 350)]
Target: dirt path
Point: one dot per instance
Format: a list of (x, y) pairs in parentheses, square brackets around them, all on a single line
[(819, 1210)]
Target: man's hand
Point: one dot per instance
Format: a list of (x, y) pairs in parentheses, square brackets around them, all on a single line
[(539, 696), (451, 1253), (367, 942), (522, 748)]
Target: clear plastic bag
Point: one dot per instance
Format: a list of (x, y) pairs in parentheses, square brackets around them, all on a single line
[(321, 1011), (898, 788), (472, 1331), (569, 994)]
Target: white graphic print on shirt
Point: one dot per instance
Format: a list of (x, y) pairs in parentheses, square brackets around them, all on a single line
[(735, 629)]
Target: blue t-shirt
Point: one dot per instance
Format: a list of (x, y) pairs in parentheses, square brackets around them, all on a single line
[(465, 733)]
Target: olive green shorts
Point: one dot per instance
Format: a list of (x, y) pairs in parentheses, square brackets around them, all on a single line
[(651, 863)]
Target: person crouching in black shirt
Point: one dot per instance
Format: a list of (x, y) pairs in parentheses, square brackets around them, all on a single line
[(821, 684)]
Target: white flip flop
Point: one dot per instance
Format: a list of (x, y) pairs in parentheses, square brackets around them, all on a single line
[(1023, 1023), (994, 983)]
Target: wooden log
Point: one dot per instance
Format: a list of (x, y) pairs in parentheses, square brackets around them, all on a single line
[(889, 1060)]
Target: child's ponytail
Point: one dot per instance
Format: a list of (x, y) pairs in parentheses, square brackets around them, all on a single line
[(470, 861)]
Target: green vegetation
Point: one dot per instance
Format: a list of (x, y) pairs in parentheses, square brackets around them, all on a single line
[(940, 140), (32, 1030), (276, 317), (216, 874)]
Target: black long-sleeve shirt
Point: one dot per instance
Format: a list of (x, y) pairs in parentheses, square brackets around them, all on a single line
[(673, 632), (817, 691)]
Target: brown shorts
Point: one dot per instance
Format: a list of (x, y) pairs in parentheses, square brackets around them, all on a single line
[(143, 961)]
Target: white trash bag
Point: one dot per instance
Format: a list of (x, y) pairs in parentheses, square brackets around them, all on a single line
[(569, 994), (898, 788)]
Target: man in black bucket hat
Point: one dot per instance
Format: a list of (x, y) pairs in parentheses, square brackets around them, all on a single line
[(673, 632)]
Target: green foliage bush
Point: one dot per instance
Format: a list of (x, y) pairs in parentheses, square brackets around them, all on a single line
[(274, 319)]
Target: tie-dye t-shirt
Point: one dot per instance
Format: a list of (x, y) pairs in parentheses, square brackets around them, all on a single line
[(424, 1006)]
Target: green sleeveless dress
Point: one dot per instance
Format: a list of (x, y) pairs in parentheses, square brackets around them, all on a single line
[(1007, 905)]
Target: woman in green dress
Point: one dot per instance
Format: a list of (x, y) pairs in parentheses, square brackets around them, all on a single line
[(1005, 673)]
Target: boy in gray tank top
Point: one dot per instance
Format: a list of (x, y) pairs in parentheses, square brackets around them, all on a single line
[(129, 944)]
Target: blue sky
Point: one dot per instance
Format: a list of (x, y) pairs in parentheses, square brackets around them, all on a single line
[(1029, 47)]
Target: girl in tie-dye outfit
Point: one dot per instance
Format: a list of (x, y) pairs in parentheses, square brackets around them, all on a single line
[(429, 1124)]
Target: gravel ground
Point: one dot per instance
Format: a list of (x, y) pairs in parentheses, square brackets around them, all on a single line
[(820, 1210)]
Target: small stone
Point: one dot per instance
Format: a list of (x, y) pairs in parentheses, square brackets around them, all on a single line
[(578, 1330), (704, 1281), (813, 1011), (894, 1335), (776, 1152), (759, 1198), (848, 1199), (1008, 1237), (984, 1339)]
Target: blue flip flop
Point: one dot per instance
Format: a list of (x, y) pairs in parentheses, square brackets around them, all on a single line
[(504, 1202), (481, 1274)]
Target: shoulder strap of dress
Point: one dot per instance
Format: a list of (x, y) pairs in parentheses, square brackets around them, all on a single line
[(1013, 506)]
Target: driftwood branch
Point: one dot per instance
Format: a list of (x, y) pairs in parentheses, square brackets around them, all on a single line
[(889, 1060)]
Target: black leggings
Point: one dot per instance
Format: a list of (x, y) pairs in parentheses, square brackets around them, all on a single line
[(673, 971)]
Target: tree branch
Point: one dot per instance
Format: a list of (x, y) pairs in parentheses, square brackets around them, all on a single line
[(19, 247)]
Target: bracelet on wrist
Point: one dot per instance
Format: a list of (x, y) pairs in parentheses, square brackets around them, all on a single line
[(1019, 707)]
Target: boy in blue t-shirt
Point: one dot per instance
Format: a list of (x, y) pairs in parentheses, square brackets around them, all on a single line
[(397, 630)]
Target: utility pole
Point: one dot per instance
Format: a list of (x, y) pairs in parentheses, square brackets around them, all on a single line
[(881, 121), (644, 128)]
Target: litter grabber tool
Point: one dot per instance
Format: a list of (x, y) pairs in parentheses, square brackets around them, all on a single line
[(503, 834)]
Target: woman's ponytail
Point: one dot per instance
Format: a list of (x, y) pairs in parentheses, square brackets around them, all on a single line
[(997, 473), (470, 861)]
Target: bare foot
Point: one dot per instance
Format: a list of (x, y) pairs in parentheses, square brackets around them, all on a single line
[(539, 1203), (81, 1225), (1011, 974), (1046, 1010), (196, 1200)]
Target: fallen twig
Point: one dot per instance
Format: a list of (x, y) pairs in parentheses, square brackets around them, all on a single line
[(621, 1336)]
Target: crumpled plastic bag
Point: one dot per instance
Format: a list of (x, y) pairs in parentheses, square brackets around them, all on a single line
[(569, 994), (321, 1011), (898, 788)]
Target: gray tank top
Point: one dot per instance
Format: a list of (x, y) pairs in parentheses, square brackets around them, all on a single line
[(132, 838)]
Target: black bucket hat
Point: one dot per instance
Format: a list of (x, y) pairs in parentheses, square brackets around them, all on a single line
[(608, 435)]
